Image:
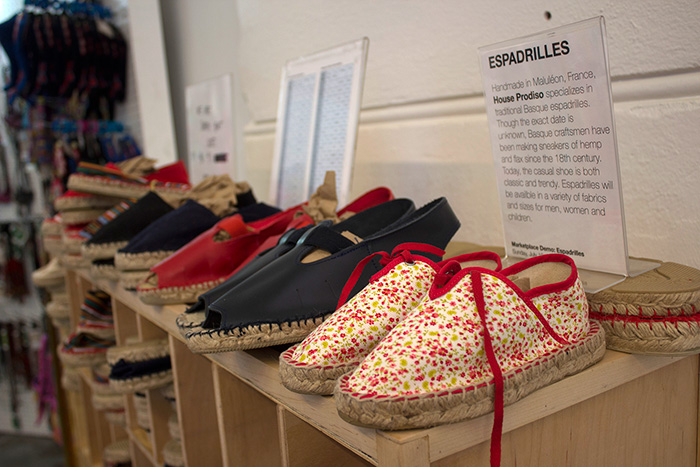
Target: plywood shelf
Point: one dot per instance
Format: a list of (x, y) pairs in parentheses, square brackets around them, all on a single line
[(228, 405)]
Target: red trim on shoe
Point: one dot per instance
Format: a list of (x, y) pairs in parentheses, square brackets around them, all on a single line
[(401, 253), (548, 288), (368, 200), (497, 429)]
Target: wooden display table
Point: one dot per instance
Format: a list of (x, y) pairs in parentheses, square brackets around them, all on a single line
[(233, 411)]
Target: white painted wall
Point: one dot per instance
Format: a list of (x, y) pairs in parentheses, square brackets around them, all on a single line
[(423, 129)]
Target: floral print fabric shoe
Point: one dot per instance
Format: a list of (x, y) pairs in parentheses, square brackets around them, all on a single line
[(344, 340), (478, 343)]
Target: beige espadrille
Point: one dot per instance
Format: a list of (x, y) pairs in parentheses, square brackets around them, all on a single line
[(172, 453), (117, 453), (657, 312)]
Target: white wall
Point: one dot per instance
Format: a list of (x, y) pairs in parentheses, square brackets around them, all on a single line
[(423, 128)]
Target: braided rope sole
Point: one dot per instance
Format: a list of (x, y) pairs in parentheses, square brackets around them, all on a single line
[(251, 337), (139, 352), (73, 245), (175, 295), (118, 189), (102, 333), (657, 338), (172, 453), (142, 383), (174, 426), (70, 380), (101, 250), (80, 217), (310, 379), (130, 280), (84, 202), (187, 322), (54, 245), (57, 309), (80, 360), (137, 261), (103, 402), (75, 261), (103, 271), (116, 418), (117, 452), (454, 405)]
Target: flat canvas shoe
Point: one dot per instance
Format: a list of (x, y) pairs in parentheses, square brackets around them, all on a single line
[(286, 300), (480, 342), (344, 340)]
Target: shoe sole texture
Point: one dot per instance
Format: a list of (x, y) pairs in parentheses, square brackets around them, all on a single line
[(82, 216), (462, 403), (138, 261), (311, 379), (130, 280), (118, 189), (656, 313), (175, 295), (102, 250), (251, 337)]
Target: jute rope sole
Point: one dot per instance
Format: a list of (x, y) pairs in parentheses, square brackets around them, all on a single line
[(116, 418), (142, 351), (53, 283), (454, 405), (73, 245), (101, 250), (75, 261), (57, 309), (117, 452), (130, 280), (103, 402), (103, 271), (118, 189), (175, 295), (102, 333), (190, 322), (310, 379), (174, 426), (84, 359), (84, 202), (658, 338), (82, 216), (251, 337), (54, 245), (172, 453), (137, 261), (142, 383)]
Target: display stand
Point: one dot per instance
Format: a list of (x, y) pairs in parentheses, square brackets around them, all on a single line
[(233, 410)]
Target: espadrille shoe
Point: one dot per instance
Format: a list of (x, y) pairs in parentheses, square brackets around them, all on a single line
[(344, 340), (116, 454), (141, 408), (51, 275), (478, 342), (51, 229), (116, 417), (286, 300), (172, 454), (657, 312), (141, 366), (107, 401), (174, 426), (58, 309), (96, 315), (82, 349), (271, 249), (124, 225), (70, 379), (131, 179), (73, 239)]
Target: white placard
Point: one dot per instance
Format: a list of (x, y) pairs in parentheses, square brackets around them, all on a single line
[(549, 107), (317, 117), (210, 129)]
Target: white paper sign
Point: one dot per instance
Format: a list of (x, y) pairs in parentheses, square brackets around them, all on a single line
[(317, 117), (549, 108), (210, 129)]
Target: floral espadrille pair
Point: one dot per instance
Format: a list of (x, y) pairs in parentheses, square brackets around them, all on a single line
[(478, 340)]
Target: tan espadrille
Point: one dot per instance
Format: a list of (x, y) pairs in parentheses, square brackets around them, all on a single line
[(117, 453), (172, 453), (657, 312)]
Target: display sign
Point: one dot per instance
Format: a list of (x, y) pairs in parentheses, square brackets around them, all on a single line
[(549, 108), (210, 129), (317, 119)]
